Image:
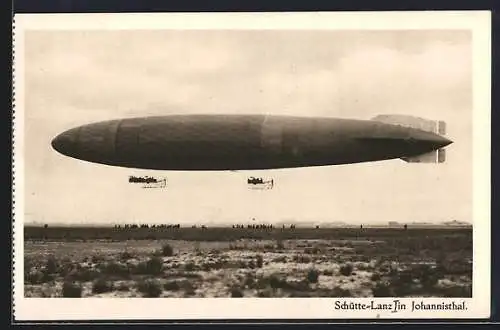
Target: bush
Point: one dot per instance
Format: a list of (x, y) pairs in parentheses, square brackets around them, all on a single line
[(83, 275), (346, 270), (340, 293), (401, 283), (189, 288), (298, 285), (150, 288), (382, 290), (328, 272), (249, 281), (154, 266), (48, 277), (101, 286), (236, 293), (312, 276), (260, 261), (457, 291), (301, 259), (34, 277), (277, 283), (96, 259), (264, 294), (71, 290), (167, 250), (171, 286), (190, 266), (280, 245), (51, 265), (116, 269), (281, 259), (428, 277), (125, 255), (375, 277), (122, 287)]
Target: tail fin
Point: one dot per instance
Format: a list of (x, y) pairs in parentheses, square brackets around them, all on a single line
[(434, 126), (437, 156)]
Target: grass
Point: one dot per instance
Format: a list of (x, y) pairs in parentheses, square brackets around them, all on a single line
[(376, 263), (414, 239)]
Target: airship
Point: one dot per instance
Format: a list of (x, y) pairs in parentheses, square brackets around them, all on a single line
[(252, 142)]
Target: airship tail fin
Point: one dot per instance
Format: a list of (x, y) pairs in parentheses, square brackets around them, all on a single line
[(434, 126), (437, 156)]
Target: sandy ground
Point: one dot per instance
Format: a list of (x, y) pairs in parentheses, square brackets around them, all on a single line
[(245, 268)]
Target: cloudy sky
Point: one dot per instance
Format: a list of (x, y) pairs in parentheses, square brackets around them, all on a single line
[(73, 78)]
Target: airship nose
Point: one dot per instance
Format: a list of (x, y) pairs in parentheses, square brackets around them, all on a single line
[(91, 142), (66, 143)]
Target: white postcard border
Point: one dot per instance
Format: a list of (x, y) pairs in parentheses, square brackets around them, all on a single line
[(271, 308)]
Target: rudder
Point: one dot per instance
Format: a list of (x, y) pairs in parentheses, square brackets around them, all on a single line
[(434, 126)]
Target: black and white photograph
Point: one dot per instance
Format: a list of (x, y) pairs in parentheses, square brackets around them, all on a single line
[(253, 156)]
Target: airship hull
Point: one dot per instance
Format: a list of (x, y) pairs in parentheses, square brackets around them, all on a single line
[(241, 142)]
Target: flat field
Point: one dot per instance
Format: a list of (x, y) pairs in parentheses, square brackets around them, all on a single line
[(227, 262)]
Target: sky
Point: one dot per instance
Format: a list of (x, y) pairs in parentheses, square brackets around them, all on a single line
[(78, 77)]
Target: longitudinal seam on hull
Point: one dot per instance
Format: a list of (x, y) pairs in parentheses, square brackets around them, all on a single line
[(13, 213)]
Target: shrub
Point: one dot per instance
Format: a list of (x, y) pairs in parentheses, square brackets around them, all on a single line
[(312, 276), (301, 259), (190, 266), (97, 259), (122, 287), (457, 291), (71, 290), (312, 250), (236, 293), (328, 272), (83, 275), (167, 250), (375, 277), (66, 267), (249, 281), (125, 255), (346, 269), (403, 278), (277, 283), (34, 277), (189, 288), (51, 265), (150, 288), (340, 293), (298, 285), (381, 290), (48, 277), (428, 277), (28, 264), (171, 286), (154, 266), (282, 259), (264, 294), (259, 261), (115, 269), (280, 245), (101, 286)]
